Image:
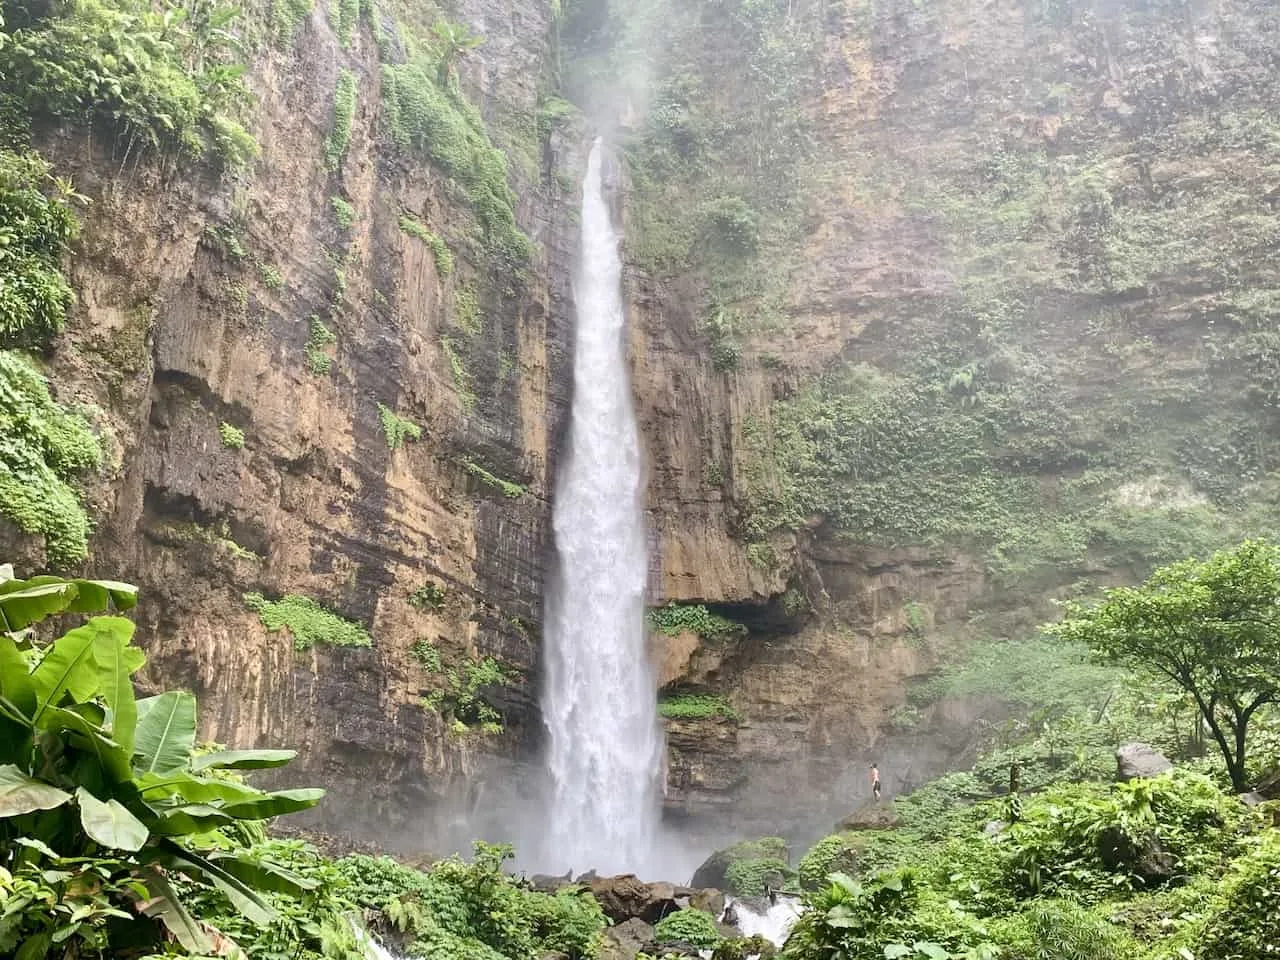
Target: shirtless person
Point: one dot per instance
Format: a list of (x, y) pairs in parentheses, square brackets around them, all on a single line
[(875, 782)]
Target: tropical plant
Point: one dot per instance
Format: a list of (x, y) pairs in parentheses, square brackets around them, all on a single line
[(1212, 627), (451, 41), (36, 224), (104, 800)]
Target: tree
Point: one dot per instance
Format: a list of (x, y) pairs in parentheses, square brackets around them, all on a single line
[(1212, 627)]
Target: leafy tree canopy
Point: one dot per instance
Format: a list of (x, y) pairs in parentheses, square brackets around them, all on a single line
[(1212, 627)]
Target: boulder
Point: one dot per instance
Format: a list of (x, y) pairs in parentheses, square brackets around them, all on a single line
[(713, 872), (1146, 858), (626, 940), (1139, 761), (994, 828), (626, 897), (872, 816), (545, 883), (708, 901), (1269, 786)]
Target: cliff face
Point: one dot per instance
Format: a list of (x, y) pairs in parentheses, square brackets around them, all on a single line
[(943, 310), (937, 310), (247, 302)]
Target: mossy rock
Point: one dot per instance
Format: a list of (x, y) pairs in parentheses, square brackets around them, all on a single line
[(714, 871), (837, 853)]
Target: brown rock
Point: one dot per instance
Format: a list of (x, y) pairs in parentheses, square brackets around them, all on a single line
[(626, 897)]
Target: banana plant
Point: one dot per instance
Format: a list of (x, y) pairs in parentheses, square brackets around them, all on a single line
[(87, 769)]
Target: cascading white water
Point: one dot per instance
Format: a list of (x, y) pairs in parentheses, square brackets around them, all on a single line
[(598, 698)]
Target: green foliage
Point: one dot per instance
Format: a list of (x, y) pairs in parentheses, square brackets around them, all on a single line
[(232, 437), (307, 622), (321, 337), (348, 18), (397, 429), (466, 309), (104, 802), (272, 279), (756, 876), (165, 76), (344, 114), (433, 119), (36, 224), (554, 113), (1246, 923), (286, 17), (732, 226), (43, 447), (694, 927), (460, 911), (343, 212), (439, 249), (429, 596), (1210, 627), (837, 853), (427, 656), (691, 706), (461, 376), (676, 618), (506, 487)]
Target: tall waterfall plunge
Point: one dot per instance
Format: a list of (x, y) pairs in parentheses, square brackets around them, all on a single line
[(598, 699)]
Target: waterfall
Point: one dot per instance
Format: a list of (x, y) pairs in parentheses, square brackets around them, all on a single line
[(599, 706)]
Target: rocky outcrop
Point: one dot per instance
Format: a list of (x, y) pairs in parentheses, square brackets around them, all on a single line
[(625, 898)]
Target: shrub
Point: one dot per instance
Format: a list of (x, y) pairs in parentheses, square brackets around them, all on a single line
[(691, 706), (272, 279), (677, 618), (348, 17), (732, 225), (688, 926), (36, 224), (429, 596), (344, 114), (837, 853), (162, 80), (43, 447), (427, 656), (318, 360), (307, 622), (396, 428), (343, 212), (1247, 925), (507, 488), (232, 437)]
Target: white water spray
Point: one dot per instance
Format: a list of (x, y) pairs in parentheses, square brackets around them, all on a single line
[(598, 699)]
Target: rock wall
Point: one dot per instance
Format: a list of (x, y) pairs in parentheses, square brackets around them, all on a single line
[(198, 298)]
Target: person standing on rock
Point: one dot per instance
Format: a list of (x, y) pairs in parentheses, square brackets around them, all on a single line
[(875, 782)]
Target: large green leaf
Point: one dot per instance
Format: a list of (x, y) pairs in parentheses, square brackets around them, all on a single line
[(92, 739), (110, 823), (264, 875), (15, 677), (117, 661), (21, 794), (243, 759), (67, 670), (156, 788), (24, 602), (187, 820), (168, 909), (166, 732), (247, 901), (275, 804)]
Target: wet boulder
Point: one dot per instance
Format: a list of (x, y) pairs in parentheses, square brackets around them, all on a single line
[(625, 940), (626, 897)]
